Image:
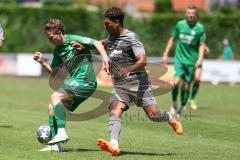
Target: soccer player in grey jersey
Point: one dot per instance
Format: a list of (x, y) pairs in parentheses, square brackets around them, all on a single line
[(130, 80)]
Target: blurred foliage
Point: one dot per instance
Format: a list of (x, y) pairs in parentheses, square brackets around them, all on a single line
[(23, 28), (4, 2), (163, 6)]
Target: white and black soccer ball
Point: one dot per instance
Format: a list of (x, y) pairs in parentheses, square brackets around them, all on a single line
[(44, 134)]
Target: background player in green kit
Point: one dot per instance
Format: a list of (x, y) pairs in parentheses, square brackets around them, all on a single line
[(82, 82), (189, 53)]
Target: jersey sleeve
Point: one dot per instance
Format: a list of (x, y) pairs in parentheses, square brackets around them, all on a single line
[(203, 36), (1, 33), (137, 45), (56, 60), (87, 42), (175, 31)]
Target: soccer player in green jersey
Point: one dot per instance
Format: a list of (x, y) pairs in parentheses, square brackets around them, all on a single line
[(82, 82), (227, 51), (190, 36)]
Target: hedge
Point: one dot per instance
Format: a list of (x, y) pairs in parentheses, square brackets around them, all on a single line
[(23, 28)]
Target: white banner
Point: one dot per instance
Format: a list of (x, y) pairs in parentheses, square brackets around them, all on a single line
[(26, 66), (215, 71)]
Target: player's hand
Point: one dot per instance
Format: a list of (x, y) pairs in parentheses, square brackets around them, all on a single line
[(79, 47), (198, 63), (124, 72), (107, 67), (38, 57), (104, 42), (165, 59)]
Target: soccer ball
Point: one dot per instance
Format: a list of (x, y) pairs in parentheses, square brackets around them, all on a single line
[(44, 134)]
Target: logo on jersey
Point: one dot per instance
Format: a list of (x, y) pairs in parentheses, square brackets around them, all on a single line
[(186, 38), (193, 33), (86, 40), (73, 85)]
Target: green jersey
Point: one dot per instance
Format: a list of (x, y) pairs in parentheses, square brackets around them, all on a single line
[(188, 41), (78, 66), (227, 52)]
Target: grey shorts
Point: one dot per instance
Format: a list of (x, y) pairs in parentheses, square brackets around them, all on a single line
[(136, 90)]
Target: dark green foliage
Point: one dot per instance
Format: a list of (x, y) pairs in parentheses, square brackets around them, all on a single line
[(163, 6), (23, 28)]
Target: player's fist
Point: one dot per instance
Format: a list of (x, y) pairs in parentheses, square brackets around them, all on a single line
[(38, 57), (164, 59), (79, 47)]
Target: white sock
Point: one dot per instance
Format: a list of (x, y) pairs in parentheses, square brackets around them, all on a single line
[(61, 131), (170, 116), (114, 141)]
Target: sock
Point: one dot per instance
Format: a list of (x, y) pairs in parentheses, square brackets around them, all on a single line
[(195, 88), (165, 116), (114, 141), (174, 93), (62, 131), (184, 96), (53, 125), (114, 127), (60, 115)]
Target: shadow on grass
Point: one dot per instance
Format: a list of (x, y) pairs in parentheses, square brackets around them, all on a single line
[(147, 153), (5, 126), (123, 153), (80, 150)]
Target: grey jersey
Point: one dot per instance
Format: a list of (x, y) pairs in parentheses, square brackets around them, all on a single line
[(1, 33), (122, 52)]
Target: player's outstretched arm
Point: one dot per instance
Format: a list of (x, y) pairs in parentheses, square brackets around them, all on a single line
[(167, 49), (38, 58), (100, 48)]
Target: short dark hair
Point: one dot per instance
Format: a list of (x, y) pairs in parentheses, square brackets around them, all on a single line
[(54, 25), (115, 13)]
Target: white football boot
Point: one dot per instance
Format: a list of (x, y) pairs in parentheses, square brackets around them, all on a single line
[(49, 148), (61, 137)]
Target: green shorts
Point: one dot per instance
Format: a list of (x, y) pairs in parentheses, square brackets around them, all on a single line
[(184, 71), (80, 91)]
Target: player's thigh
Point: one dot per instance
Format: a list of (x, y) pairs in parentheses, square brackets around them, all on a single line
[(178, 70), (120, 94), (189, 73), (80, 92), (116, 108), (79, 87), (60, 95)]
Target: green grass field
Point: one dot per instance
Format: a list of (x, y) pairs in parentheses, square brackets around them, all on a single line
[(212, 134)]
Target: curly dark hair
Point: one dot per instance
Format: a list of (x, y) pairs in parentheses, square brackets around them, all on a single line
[(54, 25)]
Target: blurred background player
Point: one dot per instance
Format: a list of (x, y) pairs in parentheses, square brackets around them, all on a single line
[(81, 84), (227, 51), (189, 53), (130, 80), (1, 36)]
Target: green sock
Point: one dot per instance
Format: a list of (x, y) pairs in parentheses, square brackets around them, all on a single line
[(174, 93), (60, 115), (184, 96), (195, 88), (53, 125)]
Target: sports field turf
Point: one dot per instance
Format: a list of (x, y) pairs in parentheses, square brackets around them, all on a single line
[(212, 134)]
